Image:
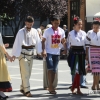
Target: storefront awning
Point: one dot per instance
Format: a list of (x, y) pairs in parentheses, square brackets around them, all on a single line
[(92, 9), (97, 14)]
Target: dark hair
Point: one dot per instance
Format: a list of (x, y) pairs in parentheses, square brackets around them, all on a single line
[(76, 20), (95, 22), (56, 17), (29, 19), (42, 25)]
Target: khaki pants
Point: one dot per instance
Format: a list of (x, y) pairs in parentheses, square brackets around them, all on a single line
[(25, 71), (45, 77)]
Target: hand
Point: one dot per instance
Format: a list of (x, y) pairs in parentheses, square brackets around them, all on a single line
[(44, 54), (64, 52), (8, 57), (13, 58), (6, 45), (86, 57)]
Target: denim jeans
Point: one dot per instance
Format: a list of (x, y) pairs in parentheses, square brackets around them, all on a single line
[(52, 62), (82, 80)]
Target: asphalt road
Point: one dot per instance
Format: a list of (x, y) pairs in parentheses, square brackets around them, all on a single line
[(36, 82)]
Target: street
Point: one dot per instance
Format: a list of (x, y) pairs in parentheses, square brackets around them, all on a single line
[(36, 83)]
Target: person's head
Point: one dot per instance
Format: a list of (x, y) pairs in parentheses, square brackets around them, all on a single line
[(96, 26), (77, 23), (64, 27), (49, 26), (29, 22), (55, 21), (42, 27)]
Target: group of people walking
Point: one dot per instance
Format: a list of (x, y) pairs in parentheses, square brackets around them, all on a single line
[(83, 50)]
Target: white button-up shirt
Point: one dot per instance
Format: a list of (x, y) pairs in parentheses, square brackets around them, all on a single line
[(26, 38), (76, 38), (93, 38)]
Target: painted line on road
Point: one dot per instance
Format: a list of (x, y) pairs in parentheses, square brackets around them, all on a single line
[(42, 64), (30, 79), (31, 74), (59, 82), (63, 71), (40, 69), (18, 67)]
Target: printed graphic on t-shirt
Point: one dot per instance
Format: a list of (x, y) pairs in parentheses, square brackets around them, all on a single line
[(55, 40)]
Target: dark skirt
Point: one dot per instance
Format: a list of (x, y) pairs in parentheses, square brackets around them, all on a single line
[(5, 86), (77, 56)]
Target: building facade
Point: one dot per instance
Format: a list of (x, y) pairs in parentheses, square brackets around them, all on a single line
[(87, 10), (76, 8)]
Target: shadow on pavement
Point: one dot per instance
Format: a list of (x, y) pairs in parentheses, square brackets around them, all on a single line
[(58, 97)]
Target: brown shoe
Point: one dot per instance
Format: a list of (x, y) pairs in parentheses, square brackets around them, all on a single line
[(28, 94), (52, 92), (79, 93)]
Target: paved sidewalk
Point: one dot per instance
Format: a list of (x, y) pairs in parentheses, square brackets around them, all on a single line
[(36, 81)]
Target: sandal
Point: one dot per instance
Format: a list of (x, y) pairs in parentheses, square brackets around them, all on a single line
[(79, 93), (52, 92), (93, 88), (28, 94), (98, 88)]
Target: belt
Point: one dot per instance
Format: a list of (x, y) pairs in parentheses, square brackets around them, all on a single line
[(95, 46), (77, 47), (26, 54), (28, 47)]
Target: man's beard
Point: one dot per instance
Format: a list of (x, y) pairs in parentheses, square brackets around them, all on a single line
[(28, 28)]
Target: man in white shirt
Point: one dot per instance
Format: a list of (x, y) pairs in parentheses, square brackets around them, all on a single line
[(27, 38), (52, 41), (45, 71), (40, 32)]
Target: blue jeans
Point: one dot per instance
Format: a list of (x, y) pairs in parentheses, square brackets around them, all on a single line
[(52, 62), (82, 80)]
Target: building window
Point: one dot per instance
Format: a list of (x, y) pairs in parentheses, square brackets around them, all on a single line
[(74, 11)]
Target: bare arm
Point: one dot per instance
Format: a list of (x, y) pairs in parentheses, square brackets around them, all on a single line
[(40, 35), (43, 47), (63, 40), (65, 46)]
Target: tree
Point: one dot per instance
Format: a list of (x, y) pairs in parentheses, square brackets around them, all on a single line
[(53, 7), (11, 10)]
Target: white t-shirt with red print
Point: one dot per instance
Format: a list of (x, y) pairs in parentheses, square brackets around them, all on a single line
[(53, 40)]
